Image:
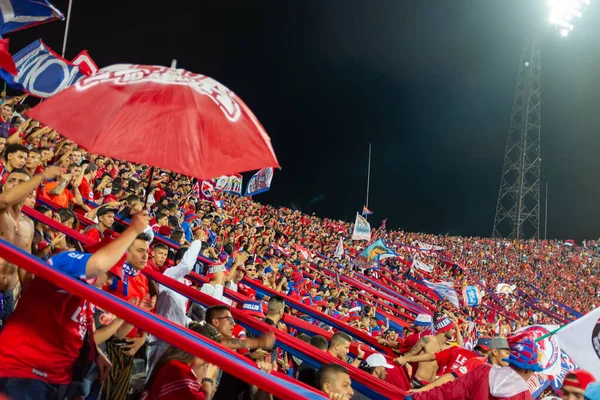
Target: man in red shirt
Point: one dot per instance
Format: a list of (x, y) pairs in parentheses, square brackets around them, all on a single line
[(160, 251), (15, 157), (42, 340), (106, 219)]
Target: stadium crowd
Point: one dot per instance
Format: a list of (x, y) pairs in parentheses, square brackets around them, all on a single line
[(48, 336)]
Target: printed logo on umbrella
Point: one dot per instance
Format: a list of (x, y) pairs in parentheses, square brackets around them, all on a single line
[(125, 74)]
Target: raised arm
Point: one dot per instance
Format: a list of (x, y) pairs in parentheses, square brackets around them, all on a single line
[(18, 193), (106, 257)]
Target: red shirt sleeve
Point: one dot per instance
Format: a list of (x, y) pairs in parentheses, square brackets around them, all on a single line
[(443, 357)]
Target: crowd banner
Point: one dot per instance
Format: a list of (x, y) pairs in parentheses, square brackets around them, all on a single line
[(18, 14), (260, 182), (369, 257), (444, 289), (421, 265), (581, 341), (229, 184), (427, 246), (471, 296), (42, 72), (362, 229)]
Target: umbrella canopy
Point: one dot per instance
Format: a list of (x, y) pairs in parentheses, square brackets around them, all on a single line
[(164, 117)]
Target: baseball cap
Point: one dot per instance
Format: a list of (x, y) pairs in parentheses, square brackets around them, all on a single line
[(524, 353), (253, 308), (499, 343), (579, 379), (377, 360), (484, 343)]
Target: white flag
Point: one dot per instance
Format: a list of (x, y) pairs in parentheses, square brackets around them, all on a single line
[(422, 266), (581, 341), (362, 229), (339, 250)]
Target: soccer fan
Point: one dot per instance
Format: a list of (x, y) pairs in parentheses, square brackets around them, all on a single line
[(575, 384), (486, 380), (14, 157), (133, 285), (179, 375), (170, 304), (422, 326), (339, 347), (106, 219), (306, 372), (426, 347), (38, 363), (335, 381), (18, 229)]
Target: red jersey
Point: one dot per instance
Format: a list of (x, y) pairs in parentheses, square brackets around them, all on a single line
[(454, 360), (86, 190), (44, 335), (174, 381)]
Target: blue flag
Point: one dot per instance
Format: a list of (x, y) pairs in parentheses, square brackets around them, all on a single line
[(260, 182), (369, 257), (445, 290), (22, 14), (42, 72), (471, 296)]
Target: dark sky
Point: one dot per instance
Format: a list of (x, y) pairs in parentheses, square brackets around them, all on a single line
[(428, 83)]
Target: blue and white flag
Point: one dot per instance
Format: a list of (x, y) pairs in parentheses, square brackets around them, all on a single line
[(445, 290), (41, 72), (260, 182), (362, 229), (22, 14), (471, 296), (369, 257)]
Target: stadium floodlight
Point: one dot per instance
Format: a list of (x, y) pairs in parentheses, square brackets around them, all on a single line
[(563, 12)]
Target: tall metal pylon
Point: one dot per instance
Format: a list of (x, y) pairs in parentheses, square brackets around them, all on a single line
[(518, 206)]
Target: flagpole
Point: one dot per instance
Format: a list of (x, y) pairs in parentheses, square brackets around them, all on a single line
[(546, 216), (64, 49), (368, 179)]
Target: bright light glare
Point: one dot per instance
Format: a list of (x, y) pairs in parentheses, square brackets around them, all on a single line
[(562, 13)]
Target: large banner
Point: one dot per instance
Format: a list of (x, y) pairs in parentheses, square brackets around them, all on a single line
[(581, 340), (549, 347), (42, 72), (260, 182), (362, 229), (427, 246), (229, 184), (369, 257), (21, 14)]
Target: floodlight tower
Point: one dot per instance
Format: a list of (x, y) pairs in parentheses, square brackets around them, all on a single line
[(518, 206)]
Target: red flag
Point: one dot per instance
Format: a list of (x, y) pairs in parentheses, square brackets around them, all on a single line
[(6, 61)]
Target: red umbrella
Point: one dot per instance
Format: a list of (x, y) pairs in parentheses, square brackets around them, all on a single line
[(164, 117)]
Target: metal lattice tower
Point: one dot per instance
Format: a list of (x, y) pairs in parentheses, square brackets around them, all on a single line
[(518, 207)]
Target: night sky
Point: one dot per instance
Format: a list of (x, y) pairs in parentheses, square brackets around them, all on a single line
[(428, 83)]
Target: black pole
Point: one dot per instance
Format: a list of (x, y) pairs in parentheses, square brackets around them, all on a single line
[(148, 187)]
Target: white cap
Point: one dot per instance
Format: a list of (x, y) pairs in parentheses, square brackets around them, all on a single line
[(378, 360)]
